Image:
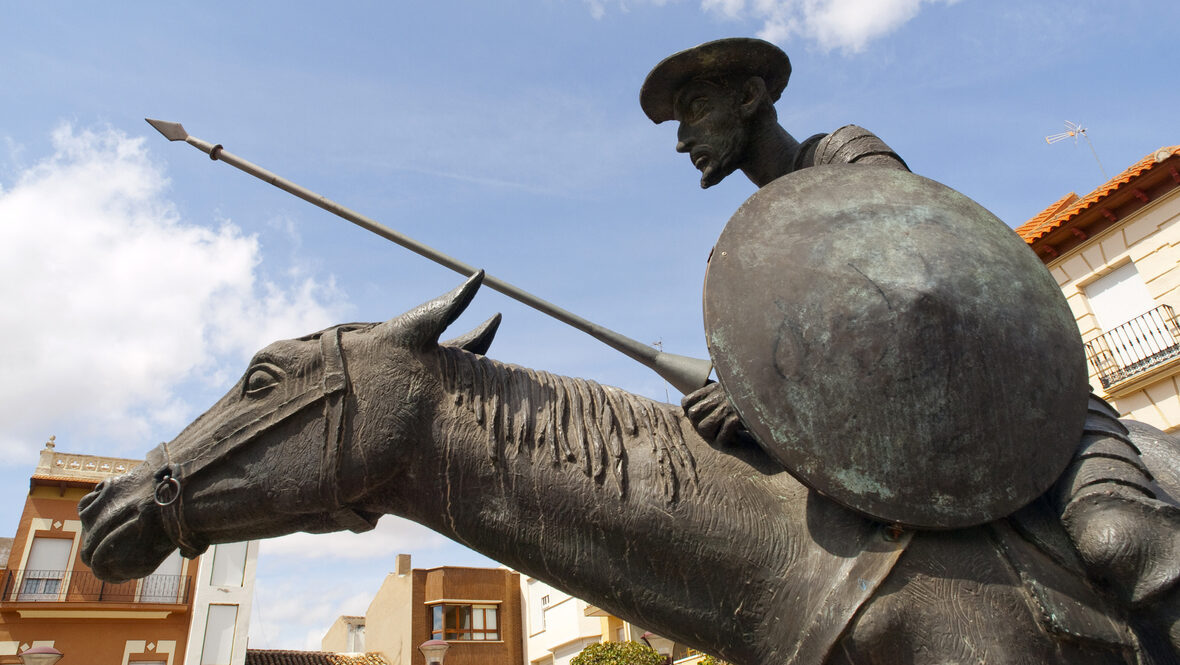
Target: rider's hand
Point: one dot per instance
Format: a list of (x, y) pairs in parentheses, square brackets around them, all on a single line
[(709, 411)]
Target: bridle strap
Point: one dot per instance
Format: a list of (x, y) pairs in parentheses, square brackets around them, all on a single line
[(172, 511), (335, 387)]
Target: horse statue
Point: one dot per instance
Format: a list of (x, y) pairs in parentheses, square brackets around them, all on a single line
[(609, 496)]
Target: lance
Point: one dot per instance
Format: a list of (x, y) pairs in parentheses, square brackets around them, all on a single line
[(683, 372)]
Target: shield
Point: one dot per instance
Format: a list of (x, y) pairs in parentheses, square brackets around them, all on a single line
[(895, 346)]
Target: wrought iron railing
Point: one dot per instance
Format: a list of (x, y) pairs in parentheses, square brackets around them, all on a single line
[(1146, 341), (82, 586)]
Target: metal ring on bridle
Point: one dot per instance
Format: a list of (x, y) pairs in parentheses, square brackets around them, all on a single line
[(167, 482)]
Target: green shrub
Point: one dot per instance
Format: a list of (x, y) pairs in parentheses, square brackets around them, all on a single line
[(618, 653)]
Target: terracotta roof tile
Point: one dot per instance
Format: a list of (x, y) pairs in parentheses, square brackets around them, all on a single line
[(287, 657), (1070, 206), (1031, 228), (65, 479)]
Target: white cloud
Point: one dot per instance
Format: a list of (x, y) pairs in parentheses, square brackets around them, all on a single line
[(305, 581), (847, 25), (295, 612), (598, 7), (393, 534), (112, 301)]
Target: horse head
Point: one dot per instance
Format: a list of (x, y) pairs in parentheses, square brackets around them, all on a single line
[(276, 454)]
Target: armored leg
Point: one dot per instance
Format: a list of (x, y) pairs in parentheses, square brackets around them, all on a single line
[(1128, 538)]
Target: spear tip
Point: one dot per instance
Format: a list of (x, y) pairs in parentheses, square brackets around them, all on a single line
[(173, 131)]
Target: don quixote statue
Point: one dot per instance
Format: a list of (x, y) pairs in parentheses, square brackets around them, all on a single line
[(879, 475)]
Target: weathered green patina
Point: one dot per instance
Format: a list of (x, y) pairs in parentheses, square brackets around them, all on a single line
[(875, 331)]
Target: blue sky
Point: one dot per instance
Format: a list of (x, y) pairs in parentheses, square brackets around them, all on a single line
[(138, 276)]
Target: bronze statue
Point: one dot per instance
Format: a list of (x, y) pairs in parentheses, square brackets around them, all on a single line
[(619, 499), (722, 94), (612, 496)]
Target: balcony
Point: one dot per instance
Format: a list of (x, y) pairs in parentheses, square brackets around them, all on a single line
[(1146, 341), (81, 586)]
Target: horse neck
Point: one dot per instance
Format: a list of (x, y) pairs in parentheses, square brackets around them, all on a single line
[(592, 488), (537, 422)]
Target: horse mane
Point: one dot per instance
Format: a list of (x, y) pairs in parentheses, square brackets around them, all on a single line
[(574, 421)]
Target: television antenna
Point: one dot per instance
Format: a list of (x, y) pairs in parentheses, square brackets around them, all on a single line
[(1074, 130)]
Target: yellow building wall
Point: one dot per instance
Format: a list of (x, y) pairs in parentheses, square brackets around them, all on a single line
[(1151, 239), (389, 619)]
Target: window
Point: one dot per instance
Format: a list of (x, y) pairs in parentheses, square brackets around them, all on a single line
[(229, 564), (46, 568), (356, 638), (1118, 297), (472, 623), (219, 635), (1138, 333)]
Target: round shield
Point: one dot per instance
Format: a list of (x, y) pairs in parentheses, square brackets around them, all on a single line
[(895, 346)]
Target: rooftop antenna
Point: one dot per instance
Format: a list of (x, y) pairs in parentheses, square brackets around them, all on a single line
[(1073, 130)]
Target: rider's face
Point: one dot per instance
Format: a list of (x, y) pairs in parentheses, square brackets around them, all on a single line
[(711, 129)]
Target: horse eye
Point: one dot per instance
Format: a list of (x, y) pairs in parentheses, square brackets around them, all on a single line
[(260, 380)]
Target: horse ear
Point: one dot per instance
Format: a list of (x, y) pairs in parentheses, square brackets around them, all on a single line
[(479, 340), (422, 326)]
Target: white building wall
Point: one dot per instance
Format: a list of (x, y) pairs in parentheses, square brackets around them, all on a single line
[(228, 582), (556, 627)]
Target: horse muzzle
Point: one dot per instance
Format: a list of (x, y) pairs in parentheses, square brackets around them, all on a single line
[(122, 532)]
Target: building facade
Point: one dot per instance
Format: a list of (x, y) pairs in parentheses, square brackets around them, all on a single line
[(558, 626), (492, 616), (476, 610), (1115, 255), (48, 597)]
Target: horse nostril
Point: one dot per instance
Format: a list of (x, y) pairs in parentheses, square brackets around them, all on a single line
[(92, 497)]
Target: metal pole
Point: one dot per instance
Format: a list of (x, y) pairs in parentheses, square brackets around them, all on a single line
[(684, 373)]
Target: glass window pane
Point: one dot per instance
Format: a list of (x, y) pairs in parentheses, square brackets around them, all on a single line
[(465, 622), (229, 564), (219, 635), (46, 566), (49, 554)]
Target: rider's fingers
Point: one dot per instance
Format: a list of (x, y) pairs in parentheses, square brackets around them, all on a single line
[(706, 408), (727, 433), (699, 395)]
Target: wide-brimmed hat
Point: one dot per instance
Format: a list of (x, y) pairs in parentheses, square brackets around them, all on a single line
[(736, 55)]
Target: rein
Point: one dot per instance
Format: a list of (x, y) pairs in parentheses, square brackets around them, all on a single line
[(331, 391)]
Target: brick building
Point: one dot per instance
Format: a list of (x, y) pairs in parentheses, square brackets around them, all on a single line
[(476, 610), (189, 612)]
